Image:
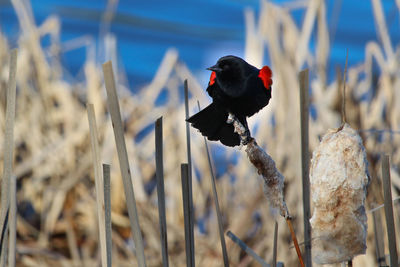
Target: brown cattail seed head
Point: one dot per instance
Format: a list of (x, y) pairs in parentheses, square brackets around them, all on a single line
[(339, 179)]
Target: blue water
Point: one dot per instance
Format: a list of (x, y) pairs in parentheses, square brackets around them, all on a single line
[(201, 31)]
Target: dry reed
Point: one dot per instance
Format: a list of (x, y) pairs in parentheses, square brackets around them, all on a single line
[(53, 159), (8, 186)]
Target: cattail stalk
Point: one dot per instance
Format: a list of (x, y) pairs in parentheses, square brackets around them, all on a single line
[(273, 179)]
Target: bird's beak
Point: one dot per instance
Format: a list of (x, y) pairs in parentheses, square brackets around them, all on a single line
[(215, 68)]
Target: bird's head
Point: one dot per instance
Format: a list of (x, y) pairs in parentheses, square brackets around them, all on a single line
[(228, 66), (228, 70)]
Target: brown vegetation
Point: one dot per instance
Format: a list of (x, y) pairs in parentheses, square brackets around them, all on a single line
[(57, 221)]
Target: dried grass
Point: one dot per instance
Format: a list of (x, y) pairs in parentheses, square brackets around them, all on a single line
[(54, 161)]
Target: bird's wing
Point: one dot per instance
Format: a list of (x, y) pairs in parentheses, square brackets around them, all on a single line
[(211, 89), (212, 84)]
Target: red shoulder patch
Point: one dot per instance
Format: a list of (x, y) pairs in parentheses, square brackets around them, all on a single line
[(265, 75), (212, 78)]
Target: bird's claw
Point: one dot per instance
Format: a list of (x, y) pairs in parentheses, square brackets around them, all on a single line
[(240, 129), (230, 118)]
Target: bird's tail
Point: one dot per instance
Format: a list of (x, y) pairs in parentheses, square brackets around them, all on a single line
[(211, 122)]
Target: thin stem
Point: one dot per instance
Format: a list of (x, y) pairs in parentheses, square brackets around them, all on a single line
[(296, 244), (216, 204), (344, 89), (113, 106)]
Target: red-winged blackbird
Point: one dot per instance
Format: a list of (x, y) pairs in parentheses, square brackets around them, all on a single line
[(236, 87)]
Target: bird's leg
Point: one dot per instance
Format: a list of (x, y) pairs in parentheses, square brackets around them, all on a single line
[(231, 118), (242, 130)]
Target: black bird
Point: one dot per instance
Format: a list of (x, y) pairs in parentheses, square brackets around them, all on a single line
[(236, 87)]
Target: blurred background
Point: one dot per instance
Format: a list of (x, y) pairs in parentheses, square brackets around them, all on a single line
[(154, 47), (201, 31)]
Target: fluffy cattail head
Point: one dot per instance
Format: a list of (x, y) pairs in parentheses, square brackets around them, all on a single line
[(339, 179)]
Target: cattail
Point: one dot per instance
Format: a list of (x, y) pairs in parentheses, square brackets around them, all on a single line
[(265, 165), (339, 179), (273, 179)]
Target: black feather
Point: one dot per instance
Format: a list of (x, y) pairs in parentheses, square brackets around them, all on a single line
[(211, 122)]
